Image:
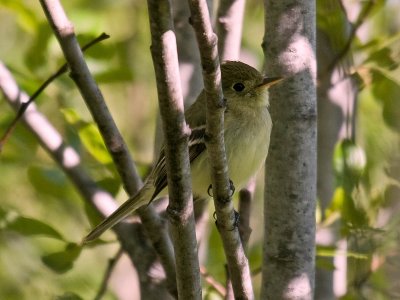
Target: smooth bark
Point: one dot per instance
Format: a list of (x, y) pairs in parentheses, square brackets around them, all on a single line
[(176, 132), (221, 189), (79, 72), (290, 184)]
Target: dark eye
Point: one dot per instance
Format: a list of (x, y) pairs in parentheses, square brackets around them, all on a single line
[(238, 87)]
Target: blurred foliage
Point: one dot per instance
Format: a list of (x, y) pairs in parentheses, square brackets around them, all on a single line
[(42, 218), (368, 219)]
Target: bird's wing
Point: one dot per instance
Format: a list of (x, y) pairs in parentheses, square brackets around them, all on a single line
[(196, 147)]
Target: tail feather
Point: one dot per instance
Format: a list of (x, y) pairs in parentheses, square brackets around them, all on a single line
[(141, 198)]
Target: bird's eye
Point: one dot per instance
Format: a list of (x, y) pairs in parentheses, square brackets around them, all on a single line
[(238, 87)]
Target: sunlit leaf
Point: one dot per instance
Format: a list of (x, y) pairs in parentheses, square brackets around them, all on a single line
[(63, 261), (344, 203), (326, 251), (89, 135), (71, 116), (337, 201), (349, 162)]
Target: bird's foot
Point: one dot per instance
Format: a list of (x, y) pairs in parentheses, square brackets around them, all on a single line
[(231, 189), (235, 222)]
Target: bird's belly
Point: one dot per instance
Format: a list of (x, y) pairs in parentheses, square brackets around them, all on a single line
[(245, 158)]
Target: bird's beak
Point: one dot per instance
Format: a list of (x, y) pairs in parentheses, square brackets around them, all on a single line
[(269, 81)]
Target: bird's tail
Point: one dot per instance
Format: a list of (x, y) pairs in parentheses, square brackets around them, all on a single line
[(141, 198)]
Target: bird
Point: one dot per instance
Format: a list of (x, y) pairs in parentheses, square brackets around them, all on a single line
[(247, 129)]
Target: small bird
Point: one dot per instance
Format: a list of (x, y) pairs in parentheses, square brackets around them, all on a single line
[(247, 128)]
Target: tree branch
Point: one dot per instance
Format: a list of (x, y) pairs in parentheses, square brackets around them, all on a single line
[(110, 267), (229, 28), (290, 177), (176, 132), (218, 287), (245, 201), (113, 140), (236, 259)]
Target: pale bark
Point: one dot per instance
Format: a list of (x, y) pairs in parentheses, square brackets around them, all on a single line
[(64, 31), (176, 132), (229, 28), (290, 184), (221, 190)]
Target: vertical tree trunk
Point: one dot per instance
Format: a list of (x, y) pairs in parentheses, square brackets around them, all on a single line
[(290, 195)]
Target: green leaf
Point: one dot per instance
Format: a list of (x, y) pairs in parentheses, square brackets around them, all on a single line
[(387, 90), (71, 116), (93, 216), (49, 181), (21, 144), (114, 76), (110, 184), (3, 213), (101, 51), (329, 251), (333, 21), (383, 58), (32, 227), (349, 162), (337, 201), (344, 203), (37, 55), (63, 261), (324, 263), (68, 296), (27, 18), (89, 135), (369, 12)]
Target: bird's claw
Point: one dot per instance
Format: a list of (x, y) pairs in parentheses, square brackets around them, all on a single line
[(209, 191), (231, 189), (235, 222)]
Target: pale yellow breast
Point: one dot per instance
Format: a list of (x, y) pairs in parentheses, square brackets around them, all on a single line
[(246, 149)]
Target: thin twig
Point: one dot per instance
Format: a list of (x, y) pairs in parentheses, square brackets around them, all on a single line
[(346, 48), (221, 188), (107, 274), (218, 287), (24, 106)]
